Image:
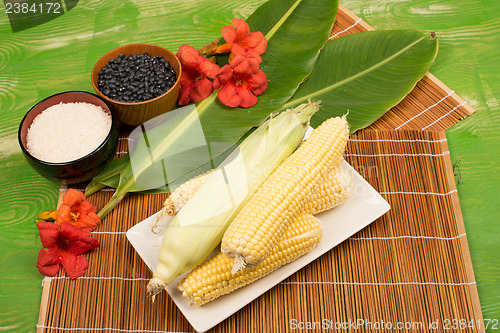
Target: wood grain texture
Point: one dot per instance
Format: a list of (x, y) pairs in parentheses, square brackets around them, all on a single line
[(60, 54), (424, 171)]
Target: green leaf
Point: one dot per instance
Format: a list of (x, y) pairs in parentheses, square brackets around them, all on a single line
[(296, 32), (366, 74), (162, 149), (109, 176)]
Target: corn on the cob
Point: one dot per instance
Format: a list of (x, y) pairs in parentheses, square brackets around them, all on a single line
[(258, 227), (178, 198), (213, 278), (333, 190), (198, 228)]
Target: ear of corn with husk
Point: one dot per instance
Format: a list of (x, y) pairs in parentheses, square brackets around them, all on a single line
[(198, 228), (261, 223), (213, 278), (178, 198), (216, 277), (333, 190)]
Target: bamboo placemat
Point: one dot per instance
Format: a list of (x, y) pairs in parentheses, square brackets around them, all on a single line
[(412, 266)]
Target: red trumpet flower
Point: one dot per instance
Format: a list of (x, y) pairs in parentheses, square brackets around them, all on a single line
[(63, 244), (239, 40), (240, 82), (78, 211), (195, 86)]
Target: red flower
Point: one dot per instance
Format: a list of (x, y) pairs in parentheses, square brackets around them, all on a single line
[(195, 86), (78, 211), (241, 81), (63, 244), (239, 40)]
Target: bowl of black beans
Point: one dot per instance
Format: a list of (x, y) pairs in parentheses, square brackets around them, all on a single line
[(138, 81)]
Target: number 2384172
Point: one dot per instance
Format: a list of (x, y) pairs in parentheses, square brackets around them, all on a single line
[(34, 8)]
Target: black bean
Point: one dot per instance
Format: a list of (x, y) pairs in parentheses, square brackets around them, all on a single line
[(137, 77)]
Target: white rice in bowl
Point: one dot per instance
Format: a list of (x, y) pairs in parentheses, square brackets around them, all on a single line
[(67, 131)]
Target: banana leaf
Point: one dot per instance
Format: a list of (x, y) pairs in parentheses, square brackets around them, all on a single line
[(296, 32), (366, 74), (109, 176)]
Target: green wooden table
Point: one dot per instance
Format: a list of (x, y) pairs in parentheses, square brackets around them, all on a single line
[(59, 55)]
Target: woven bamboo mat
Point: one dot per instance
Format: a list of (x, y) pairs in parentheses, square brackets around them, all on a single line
[(411, 267)]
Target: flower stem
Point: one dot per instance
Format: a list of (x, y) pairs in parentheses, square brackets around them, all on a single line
[(115, 200), (93, 189), (121, 192)]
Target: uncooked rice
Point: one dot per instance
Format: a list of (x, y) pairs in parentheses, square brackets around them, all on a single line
[(67, 131)]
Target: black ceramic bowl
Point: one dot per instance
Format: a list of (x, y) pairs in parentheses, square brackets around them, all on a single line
[(81, 169)]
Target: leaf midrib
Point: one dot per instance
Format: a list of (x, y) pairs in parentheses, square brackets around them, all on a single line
[(293, 102), (203, 106), (275, 28)]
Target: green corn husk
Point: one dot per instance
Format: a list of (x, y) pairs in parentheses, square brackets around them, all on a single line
[(198, 228)]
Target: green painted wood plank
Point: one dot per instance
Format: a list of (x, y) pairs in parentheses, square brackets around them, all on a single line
[(59, 56), (467, 62)]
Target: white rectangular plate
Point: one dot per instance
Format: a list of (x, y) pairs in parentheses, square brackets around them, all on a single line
[(363, 207)]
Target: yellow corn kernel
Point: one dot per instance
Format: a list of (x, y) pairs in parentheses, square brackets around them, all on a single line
[(180, 195), (333, 190), (198, 228), (178, 198), (283, 195), (213, 278)]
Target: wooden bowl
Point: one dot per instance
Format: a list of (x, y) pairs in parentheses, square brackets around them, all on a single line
[(134, 114), (81, 169)]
